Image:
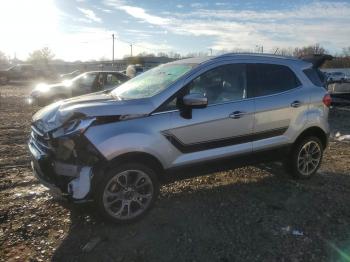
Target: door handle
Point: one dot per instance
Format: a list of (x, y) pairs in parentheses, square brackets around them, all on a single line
[(295, 104), (237, 114)]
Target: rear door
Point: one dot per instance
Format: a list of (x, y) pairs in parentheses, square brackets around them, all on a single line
[(279, 104)]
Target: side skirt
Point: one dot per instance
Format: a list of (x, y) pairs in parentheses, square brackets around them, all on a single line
[(212, 166)]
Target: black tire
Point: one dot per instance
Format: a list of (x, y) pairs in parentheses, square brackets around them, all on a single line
[(292, 163), (106, 178)]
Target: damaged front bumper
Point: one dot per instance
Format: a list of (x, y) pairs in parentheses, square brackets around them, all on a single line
[(63, 177)]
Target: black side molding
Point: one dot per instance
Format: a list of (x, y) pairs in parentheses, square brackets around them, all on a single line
[(317, 60), (230, 141)]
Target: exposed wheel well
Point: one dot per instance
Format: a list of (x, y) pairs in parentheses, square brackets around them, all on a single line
[(314, 131)]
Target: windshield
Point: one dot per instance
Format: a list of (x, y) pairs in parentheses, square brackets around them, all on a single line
[(151, 82), (79, 76)]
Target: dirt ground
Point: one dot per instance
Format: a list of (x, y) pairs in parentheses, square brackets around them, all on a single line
[(254, 213)]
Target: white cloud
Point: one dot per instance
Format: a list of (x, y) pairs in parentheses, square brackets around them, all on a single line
[(220, 4), (141, 14), (108, 11), (179, 6), (317, 22), (196, 5), (314, 23), (137, 12), (89, 14)]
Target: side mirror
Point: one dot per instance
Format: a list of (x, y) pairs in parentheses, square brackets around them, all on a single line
[(195, 100)]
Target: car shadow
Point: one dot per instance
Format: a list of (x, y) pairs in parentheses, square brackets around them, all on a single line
[(259, 215)]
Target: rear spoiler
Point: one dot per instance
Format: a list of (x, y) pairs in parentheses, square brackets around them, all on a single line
[(316, 60)]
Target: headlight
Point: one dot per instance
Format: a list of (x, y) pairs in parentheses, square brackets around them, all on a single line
[(73, 127), (67, 83), (42, 88)]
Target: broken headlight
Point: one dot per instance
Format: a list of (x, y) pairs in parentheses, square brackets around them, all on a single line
[(73, 127)]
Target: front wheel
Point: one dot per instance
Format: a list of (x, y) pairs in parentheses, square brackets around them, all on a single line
[(127, 192), (305, 158)]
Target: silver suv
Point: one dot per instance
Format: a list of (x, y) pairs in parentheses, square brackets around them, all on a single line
[(205, 114)]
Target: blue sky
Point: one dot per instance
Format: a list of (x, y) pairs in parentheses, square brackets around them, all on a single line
[(82, 29)]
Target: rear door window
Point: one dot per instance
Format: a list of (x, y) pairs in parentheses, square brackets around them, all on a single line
[(269, 79)]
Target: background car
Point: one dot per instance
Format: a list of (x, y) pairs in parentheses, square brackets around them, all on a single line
[(21, 72), (85, 83), (336, 77), (70, 75)]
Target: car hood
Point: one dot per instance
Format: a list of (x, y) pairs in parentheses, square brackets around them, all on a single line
[(37, 90), (88, 106)]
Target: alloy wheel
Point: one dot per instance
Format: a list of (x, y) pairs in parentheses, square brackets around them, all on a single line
[(128, 194), (309, 158)]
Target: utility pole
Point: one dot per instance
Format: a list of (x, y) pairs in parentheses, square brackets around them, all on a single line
[(113, 50), (131, 50)]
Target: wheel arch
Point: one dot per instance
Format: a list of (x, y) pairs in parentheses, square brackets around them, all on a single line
[(138, 157), (314, 131)]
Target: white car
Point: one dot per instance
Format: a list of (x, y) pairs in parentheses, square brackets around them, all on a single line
[(336, 77)]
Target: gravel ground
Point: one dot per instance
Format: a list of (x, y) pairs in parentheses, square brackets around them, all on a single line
[(254, 213)]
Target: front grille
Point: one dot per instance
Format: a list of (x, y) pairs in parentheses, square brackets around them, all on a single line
[(39, 140)]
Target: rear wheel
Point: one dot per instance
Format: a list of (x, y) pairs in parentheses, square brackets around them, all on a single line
[(127, 192), (305, 158)]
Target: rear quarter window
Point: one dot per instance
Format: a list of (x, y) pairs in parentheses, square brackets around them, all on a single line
[(315, 76)]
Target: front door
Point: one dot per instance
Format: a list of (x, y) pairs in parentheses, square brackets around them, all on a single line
[(224, 127), (86, 84)]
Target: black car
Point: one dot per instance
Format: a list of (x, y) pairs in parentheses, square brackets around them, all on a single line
[(85, 83)]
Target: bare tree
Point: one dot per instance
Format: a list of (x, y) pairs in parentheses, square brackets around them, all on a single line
[(346, 51), (309, 50), (145, 54), (197, 54), (162, 54), (174, 55), (283, 51), (41, 56)]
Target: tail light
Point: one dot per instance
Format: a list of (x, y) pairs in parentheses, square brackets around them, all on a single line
[(327, 100)]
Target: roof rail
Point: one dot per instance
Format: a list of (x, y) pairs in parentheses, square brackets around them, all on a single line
[(256, 54), (316, 60)]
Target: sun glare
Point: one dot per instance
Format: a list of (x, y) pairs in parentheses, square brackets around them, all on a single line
[(27, 25)]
